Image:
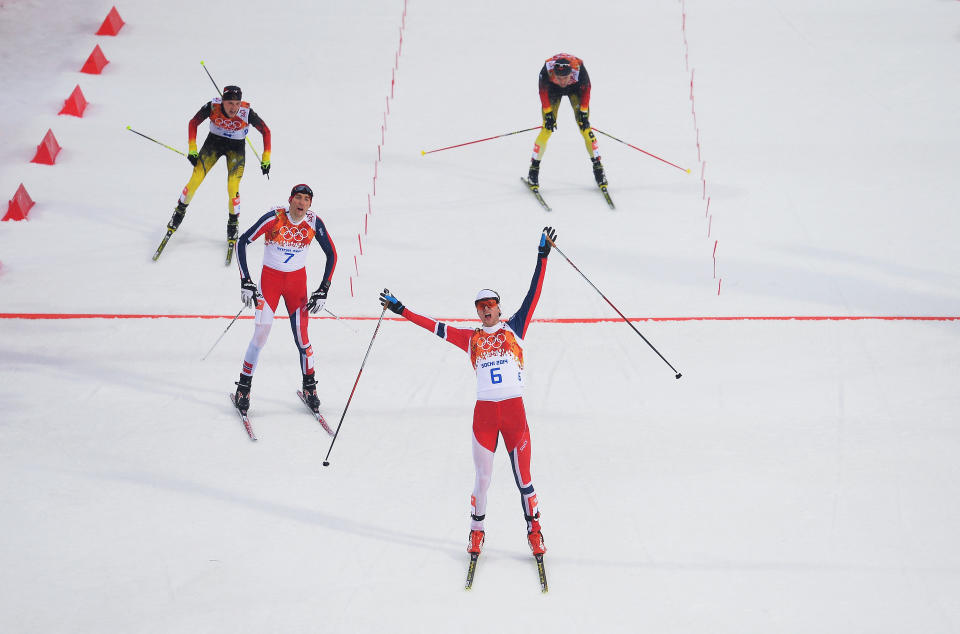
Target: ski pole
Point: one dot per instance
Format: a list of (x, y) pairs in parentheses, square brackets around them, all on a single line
[(422, 152), (337, 317), (554, 245), (222, 334), (211, 78), (326, 460), (155, 141), (639, 150), (221, 95)]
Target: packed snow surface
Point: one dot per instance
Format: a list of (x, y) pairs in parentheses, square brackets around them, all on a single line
[(802, 476)]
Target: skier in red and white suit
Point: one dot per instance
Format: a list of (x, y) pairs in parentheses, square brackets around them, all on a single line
[(288, 232), (496, 352)]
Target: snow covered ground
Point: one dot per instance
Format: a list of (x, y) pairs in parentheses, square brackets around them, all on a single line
[(800, 477)]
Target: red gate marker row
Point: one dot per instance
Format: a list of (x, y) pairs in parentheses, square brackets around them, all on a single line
[(703, 163), (383, 140), (47, 151)]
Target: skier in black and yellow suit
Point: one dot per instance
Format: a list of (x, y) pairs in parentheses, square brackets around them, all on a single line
[(565, 75), (230, 121)]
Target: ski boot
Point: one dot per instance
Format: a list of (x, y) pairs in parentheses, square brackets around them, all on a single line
[(534, 536), (534, 175), (535, 539), (177, 218), (175, 221), (242, 397), (598, 172), (233, 230), (475, 542), (310, 393)]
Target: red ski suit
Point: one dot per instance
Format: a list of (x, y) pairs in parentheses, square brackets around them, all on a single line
[(497, 356)]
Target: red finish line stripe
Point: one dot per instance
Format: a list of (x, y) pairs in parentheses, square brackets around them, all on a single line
[(568, 320)]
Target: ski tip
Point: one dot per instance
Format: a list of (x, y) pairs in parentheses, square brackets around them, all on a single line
[(688, 170)]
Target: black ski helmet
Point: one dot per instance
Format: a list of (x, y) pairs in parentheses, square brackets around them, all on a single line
[(232, 93)]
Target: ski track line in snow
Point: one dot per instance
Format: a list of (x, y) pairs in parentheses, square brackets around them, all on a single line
[(557, 320)]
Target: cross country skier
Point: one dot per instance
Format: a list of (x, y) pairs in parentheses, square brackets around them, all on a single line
[(565, 75), (288, 232), (496, 351), (230, 121)]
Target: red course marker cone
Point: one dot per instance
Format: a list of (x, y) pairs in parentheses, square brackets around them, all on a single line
[(112, 24), (95, 62), (75, 104), (47, 150), (19, 206)]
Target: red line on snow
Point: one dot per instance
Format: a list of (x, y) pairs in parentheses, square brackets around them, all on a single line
[(561, 320)]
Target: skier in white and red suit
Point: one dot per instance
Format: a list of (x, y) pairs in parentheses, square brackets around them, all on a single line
[(496, 352), (288, 232)]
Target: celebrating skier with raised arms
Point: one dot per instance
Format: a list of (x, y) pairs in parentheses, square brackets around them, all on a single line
[(496, 352)]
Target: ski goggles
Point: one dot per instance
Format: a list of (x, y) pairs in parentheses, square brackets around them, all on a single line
[(486, 303), (301, 189), (562, 68)]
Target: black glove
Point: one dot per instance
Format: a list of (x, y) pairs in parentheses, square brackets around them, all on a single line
[(319, 297), (248, 292), (545, 245), (583, 119), (550, 121), (265, 167), (389, 301), (193, 157)]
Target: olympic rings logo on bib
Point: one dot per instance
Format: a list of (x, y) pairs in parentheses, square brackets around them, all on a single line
[(299, 234), (228, 124), (492, 342)]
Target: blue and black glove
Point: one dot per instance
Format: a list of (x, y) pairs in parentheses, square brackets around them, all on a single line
[(265, 167), (544, 248), (389, 301)]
